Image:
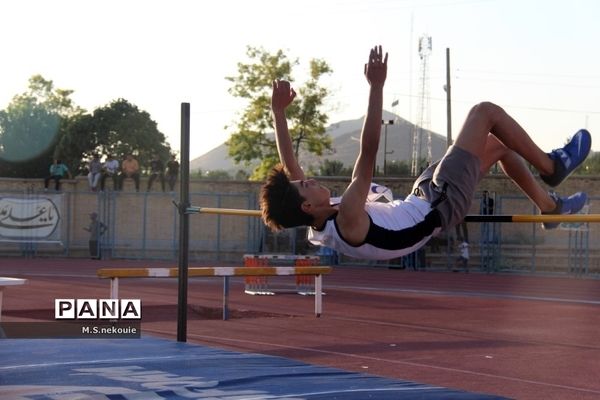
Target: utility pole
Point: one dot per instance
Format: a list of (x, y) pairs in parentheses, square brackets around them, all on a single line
[(424, 107), (448, 101)]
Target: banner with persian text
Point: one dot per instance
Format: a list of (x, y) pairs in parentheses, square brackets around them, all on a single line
[(31, 218)]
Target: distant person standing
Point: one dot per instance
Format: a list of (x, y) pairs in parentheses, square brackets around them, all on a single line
[(110, 168), (130, 168), (487, 208), (157, 170), (96, 230), (95, 172), (172, 172), (487, 203), (463, 257), (58, 171)]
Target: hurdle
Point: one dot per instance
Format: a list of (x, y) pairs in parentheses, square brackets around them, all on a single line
[(5, 281), (259, 285), (114, 274)]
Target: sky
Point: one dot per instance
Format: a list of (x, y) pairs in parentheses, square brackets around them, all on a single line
[(537, 59)]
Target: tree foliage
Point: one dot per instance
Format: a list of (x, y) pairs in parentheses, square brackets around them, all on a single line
[(43, 123), (333, 168), (252, 138), (31, 126), (399, 167), (591, 166), (218, 174), (119, 128)]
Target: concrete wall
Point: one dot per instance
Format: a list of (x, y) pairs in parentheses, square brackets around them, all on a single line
[(400, 186)]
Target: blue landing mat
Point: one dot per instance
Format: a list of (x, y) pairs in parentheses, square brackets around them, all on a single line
[(155, 369)]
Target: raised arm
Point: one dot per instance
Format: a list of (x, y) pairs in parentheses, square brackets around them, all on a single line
[(352, 219), (283, 95), (375, 72)]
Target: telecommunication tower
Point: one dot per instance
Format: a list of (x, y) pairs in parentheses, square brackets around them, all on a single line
[(423, 121)]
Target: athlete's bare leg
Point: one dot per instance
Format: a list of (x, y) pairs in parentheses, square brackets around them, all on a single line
[(487, 118), (514, 166)]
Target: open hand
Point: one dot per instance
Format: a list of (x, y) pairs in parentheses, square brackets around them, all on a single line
[(376, 68)]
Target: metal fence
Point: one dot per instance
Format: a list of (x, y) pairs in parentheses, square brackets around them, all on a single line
[(145, 226), (138, 226)]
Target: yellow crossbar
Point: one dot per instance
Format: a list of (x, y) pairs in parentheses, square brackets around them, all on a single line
[(582, 218), (225, 211), (573, 218)]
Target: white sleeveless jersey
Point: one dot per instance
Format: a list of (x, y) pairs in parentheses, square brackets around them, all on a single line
[(397, 228)]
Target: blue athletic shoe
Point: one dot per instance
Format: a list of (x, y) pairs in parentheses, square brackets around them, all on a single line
[(569, 157), (565, 205)]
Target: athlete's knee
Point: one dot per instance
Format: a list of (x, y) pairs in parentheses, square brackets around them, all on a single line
[(487, 110), (504, 154), (495, 146)]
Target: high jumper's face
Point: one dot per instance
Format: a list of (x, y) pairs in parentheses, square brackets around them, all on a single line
[(312, 192)]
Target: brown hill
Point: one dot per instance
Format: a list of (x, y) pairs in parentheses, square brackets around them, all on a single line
[(345, 136)]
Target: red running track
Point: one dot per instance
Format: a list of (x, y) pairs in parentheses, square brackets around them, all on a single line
[(524, 337)]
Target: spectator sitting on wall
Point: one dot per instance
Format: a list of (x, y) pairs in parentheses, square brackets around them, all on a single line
[(130, 168), (172, 172), (95, 171), (58, 171), (157, 170), (110, 168)]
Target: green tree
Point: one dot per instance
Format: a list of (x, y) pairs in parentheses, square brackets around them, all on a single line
[(398, 168), (251, 139), (196, 174), (119, 128), (218, 174), (31, 126), (591, 166), (241, 175), (333, 168), (76, 142), (43, 123)]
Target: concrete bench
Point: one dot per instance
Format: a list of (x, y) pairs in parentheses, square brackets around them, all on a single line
[(226, 272), (8, 282)]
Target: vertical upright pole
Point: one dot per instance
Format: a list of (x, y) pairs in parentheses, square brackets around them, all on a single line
[(318, 295), (448, 101), (386, 122), (225, 298), (448, 123), (184, 203), (385, 151)]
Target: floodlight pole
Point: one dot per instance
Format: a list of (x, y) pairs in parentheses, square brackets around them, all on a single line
[(184, 231), (448, 101), (385, 123)]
